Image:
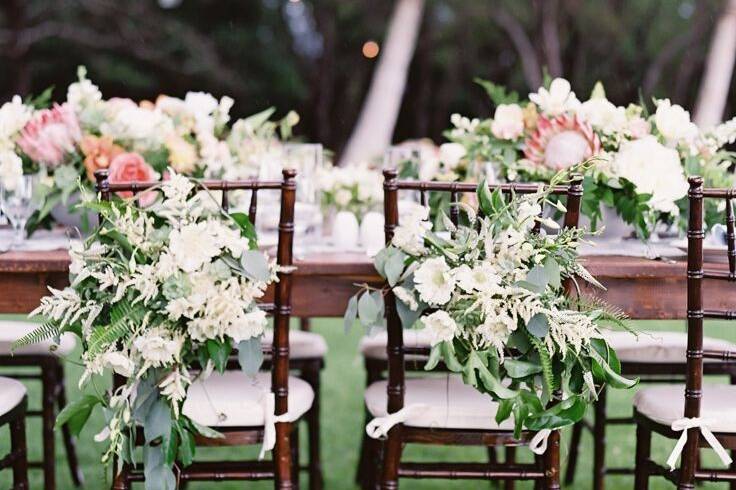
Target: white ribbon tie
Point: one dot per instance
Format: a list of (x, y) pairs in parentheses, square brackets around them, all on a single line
[(702, 424), (538, 444), (378, 427), (270, 419)]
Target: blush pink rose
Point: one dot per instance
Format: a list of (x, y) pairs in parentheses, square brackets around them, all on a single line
[(131, 167)]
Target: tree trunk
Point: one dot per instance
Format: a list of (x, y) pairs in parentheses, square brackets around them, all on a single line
[(718, 70), (375, 126)]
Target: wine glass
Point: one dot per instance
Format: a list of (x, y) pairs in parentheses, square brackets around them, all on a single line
[(18, 203), (306, 159)]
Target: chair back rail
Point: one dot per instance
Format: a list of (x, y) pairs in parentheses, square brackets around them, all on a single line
[(391, 188), (696, 311), (280, 308)]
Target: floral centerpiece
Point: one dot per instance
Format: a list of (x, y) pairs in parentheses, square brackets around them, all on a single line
[(491, 297), (357, 188), (639, 158), (68, 142), (153, 292)]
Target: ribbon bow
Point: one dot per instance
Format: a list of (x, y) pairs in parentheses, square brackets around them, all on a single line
[(270, 419), (379, 426), (538, 444), (686, 423)]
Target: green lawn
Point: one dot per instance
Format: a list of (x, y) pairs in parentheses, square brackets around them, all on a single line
[(342, 419)]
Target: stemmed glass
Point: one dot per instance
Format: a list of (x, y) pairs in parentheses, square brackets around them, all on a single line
[(17, 203), (306, 159)]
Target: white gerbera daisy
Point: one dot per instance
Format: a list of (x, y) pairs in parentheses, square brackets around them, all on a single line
[(434, 281), (440, 327)]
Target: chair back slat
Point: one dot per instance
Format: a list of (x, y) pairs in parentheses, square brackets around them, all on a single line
[(454, 208), (423, 198), (224, 201), (391, 187), (730, 237), (253, 207)]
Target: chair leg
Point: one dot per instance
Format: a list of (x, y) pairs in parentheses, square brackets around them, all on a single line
[(366, 467), (295, 465), (643, 450), (19, 449), (572, 461), (48, 416), (69, 441), (305, 324), (121, 481), (311, 374), (510, 459), (599, 441), (282, 457), (552, 461), (391, 460)]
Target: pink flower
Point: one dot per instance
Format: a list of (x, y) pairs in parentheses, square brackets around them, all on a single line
[(561, 141), (131, 167), (50, 135)]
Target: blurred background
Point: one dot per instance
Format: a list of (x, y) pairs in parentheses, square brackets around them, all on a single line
[(319, 56)]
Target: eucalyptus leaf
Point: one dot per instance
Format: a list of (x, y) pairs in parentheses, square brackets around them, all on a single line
[(351, 313), (394, 266), (552, 272), (521, 369), (250, 355), (407, 316), (219, 352), (538, 325), (157, 475), (76, 413), (368, 310), (435, 355), (538, 276), (158, 421), (255, 265)]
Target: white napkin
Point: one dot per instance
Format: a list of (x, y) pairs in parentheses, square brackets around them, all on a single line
[(40, 241)]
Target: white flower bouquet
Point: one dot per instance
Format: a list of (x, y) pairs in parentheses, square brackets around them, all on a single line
[(491, 297), (68, 142), (356, 188), (160, 296), (638, 160)]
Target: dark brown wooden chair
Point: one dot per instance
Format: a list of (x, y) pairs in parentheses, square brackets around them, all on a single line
[(45, 361), (292, 397), (389, 397), (655, 357), (13, 404), (677, 411)]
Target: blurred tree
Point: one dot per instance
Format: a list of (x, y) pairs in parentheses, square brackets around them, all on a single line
[(306, 54)]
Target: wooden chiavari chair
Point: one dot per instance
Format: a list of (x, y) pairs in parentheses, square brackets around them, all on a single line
[(708, 410), (13, 403), (208, 402), (388, 397)]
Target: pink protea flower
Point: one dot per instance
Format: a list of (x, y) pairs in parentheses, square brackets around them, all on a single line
[(50, 135), (561, 141)]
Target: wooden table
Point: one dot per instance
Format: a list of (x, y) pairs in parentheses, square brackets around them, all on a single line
[(645, 289)]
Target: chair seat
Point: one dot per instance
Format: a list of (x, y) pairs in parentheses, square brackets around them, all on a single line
[(234, 399), (10, 331), (657, 347), (11, 394), (302, 345), (374, 346), (665, 404), (450, 404)]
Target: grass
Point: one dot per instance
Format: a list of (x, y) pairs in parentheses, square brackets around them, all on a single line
[(342, 425)]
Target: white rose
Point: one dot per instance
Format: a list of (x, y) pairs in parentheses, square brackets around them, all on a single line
[(119, 363), (249, 325), (157, 349), (13, 116), (192, 246), (440, 327), (434, 281), (673, 122), (638, 127), (343, 197), (603, 115), (557, 100), (508, 122), (11, 169), (451, 154), (654, 169)]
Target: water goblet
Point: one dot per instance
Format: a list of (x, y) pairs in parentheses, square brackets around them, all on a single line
[(18, 203)]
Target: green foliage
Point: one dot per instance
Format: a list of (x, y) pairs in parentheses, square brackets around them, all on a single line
[(43, 332), (42, 100), (250, 355), (123, 318), (498, 93), (76, 413)]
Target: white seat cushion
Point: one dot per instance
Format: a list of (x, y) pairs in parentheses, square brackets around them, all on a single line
[(302, 345), (11, 331), (11, 393), (234, 399), (374, 346), (451, 404), (665, 404), (653, 346)]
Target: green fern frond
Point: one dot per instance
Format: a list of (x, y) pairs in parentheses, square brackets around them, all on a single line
[(42, 332), (122, 316), (606, 311), (545, 361)]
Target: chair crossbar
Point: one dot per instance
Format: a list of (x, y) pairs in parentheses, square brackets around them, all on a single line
[(470, 471)]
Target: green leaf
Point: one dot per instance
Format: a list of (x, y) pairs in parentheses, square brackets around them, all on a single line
[(351, 313), (497, 93), (171, 448), (565, 413), (475, 369), (448, 354), (187, 446), (538, 277), (158, 421), (611, 377), (205, 431), (255, 265), (538, 325), (552, 272), (250, 355), (485, 198), (259, 119), (408, 316), (247, 229), (157, 475), (505, 408), (521, 369), (219, 352), (368, 310), (394, 266), (76, 413), (434, 357)]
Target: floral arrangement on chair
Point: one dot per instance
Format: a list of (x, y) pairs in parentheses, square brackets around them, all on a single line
[(153, 292), (491, 298), (134, 141), (641, 157)]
